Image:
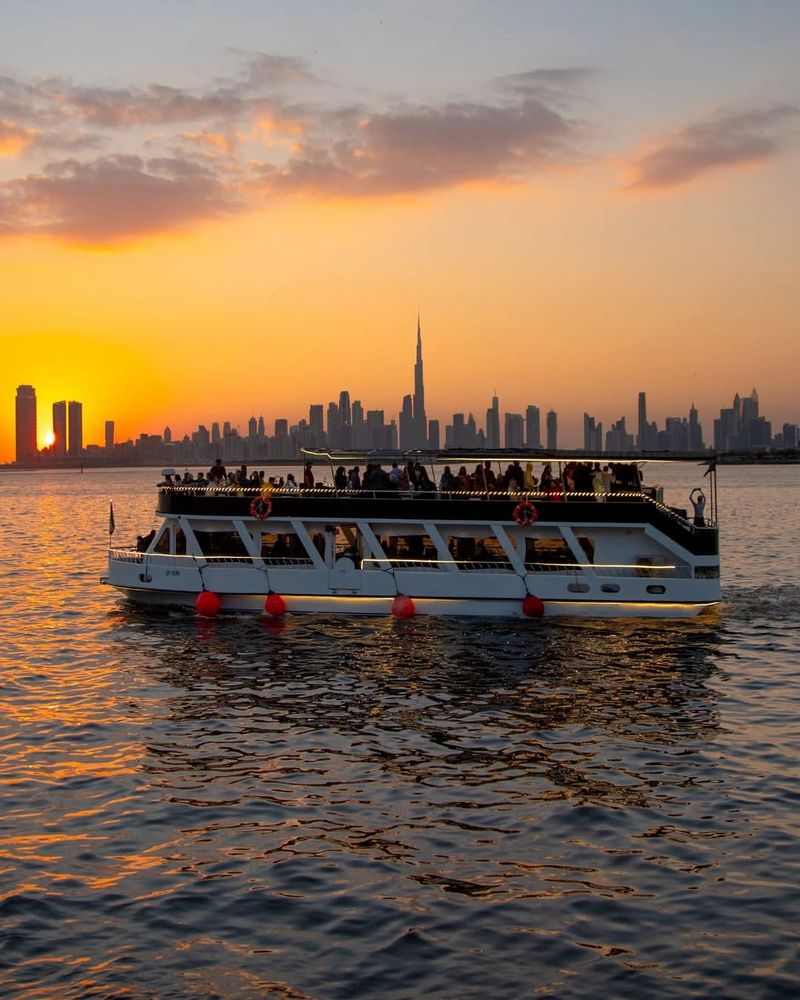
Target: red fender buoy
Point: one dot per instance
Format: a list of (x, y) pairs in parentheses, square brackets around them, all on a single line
[(533, 607), (207, 604), (275, 605), (403, 607)]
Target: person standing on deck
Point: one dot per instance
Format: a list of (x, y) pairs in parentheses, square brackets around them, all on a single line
[(698, 500)]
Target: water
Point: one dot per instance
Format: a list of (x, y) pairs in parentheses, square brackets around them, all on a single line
[(335, 808)]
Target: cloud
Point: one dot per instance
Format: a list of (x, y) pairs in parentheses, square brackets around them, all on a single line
[(114, 198), (214, 143), (725, 140), (425, 148), (16, 99), (159, 104), (15, 138), (546, 83), (266, 70), (244, 140), (153, 105)]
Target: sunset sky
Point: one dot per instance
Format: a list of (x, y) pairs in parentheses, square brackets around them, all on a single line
[(215, 209)]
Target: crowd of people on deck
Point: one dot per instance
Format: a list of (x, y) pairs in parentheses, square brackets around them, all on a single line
[(413, 477), (218, 476)]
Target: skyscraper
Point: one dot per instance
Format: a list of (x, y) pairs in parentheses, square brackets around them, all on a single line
[(641, 426), (26, 422), (618, 440), (552, 430), (333, 426), (407, 429), (420, 420), (345, 412), (109, 435), (533, 433), (315, 424), (592, 434), (695, 430), (60, 428), (359, 428), (75, 424), (378, 434), (514, 430), (750, 407), (493, 424), (345, 420)]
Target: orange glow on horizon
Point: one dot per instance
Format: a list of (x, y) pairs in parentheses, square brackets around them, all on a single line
[(522, 288)]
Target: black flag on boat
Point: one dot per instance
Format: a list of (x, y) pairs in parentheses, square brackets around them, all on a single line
[(111, 525)]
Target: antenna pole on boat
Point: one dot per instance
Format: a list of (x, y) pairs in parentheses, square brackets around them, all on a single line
[(333, 475), (711, 472)]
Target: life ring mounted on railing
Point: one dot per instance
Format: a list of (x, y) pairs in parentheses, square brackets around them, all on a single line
[(261, 508), (525, 514)]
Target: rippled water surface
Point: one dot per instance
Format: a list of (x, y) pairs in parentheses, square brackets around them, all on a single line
[(337, 808)]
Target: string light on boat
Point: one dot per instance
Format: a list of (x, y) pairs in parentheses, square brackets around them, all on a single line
[(207, 604), (403, 607)]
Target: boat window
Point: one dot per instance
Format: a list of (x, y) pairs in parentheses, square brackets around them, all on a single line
[(548, 551), (478, 551), (411, 547), (348, 543), (220, 543), (578, 588), (610, 588), (162, 545), (656, 588), (650, 566), (587, 544), (706, 572), (285, 545)]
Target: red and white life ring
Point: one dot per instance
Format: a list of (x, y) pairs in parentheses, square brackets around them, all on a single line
[(261, 508), (525, 514)]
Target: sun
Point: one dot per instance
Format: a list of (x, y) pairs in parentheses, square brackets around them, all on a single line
[(49, 439)]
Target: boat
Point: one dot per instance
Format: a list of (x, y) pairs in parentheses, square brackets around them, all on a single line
[(619, 551)]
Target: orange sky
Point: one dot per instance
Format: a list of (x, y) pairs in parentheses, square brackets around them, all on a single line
[(253, 269)]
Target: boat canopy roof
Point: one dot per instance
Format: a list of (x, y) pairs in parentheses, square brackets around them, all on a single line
[(453, 456)]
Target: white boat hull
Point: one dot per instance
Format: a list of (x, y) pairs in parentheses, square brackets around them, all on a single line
[(454, 558), (378, 605)]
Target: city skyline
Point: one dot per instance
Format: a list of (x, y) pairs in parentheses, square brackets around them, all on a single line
[(249, 209), (347, 426), (572, 425)]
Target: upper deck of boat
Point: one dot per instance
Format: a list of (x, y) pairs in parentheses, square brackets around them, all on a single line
[(337, 505)]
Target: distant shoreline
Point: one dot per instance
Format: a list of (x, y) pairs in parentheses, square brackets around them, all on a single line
[(791, 458)]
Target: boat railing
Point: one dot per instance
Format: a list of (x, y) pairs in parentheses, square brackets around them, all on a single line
[(175, 558), (612, 569), (400, 494), (638, 569), (436, 564), (518, 496), (126, 555)]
